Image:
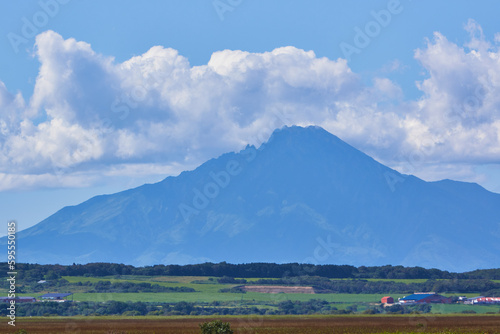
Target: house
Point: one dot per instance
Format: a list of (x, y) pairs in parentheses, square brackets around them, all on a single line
[(18, 299), (483, 300), (387, 300), (472, 300), (424, 298), (55, 296)]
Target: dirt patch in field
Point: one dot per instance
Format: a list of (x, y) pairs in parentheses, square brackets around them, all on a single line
[(278, 289)]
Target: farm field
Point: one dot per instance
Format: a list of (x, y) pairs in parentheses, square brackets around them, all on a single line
[(236, 297), (172, 281), (458, 308), (208, 291), (167, 281), (265, 325), (215, 296), (396, 280)]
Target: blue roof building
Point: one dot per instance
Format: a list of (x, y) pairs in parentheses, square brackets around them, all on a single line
[(430, 297)]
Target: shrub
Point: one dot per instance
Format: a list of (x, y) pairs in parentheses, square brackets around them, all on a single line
[(469, 312), (21, 331), (370, 311), (216, 327)]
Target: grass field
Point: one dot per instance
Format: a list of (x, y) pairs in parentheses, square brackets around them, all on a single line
[(264, 325), (167, 281), (457, 308), (235, 297), (402, 280), (207, 291), (347, 299)]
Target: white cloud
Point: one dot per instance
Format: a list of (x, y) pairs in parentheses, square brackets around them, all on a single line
[(156, 110), (461, 101)]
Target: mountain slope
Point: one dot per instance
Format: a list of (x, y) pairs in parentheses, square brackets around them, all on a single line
[(304, 196)]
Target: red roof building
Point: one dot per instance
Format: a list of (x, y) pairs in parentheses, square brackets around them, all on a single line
[(387, 300)]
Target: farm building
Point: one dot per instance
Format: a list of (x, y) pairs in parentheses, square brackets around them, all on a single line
[(55, 296), (424, 298), (483, 300), (18, 299), (387, 300)]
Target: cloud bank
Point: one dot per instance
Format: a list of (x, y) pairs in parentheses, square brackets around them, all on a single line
[(91, 117)]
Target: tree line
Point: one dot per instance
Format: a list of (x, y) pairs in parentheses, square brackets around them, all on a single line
[(356, 286), (62, 285), (314, 306), (249, 270)]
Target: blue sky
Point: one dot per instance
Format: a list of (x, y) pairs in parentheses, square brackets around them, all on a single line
[(129, 92)]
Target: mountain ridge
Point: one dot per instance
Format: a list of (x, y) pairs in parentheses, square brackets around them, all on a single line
[(303, 196)]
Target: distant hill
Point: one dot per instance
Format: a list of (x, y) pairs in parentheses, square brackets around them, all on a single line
[(304, 196)]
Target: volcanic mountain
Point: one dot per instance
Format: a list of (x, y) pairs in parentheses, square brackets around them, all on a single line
[(304, 196)]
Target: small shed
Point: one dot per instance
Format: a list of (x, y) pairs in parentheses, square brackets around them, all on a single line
[(55, 296), (486, 300), (387, 300)]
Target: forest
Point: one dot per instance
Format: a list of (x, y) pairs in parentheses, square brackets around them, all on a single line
[(248, 270)]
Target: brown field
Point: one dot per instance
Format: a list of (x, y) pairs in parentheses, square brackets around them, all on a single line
[(278, 289), (264, 325)]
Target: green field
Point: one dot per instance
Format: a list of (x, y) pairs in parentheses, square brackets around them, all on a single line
[(396, 280), (207, 297), (208, 291), (162, 280), (167, 281), (458, 308)]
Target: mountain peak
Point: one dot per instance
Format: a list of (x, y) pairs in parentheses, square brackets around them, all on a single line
[(304, 196), (298, 133), (311, 137)]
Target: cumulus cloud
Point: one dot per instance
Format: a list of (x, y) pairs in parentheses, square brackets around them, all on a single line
[(460, 107), (90, 113)]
